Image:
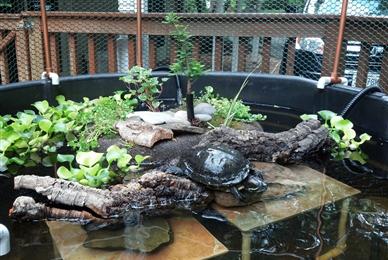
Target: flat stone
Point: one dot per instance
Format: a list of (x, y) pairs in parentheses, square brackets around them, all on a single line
[(155, 118), (203, 117), (191, 241), (184, 128), (319, 190), (181, 115), (204, 108)]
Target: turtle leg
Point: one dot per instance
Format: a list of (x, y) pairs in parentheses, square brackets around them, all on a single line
[(255, 182), (237, 194)]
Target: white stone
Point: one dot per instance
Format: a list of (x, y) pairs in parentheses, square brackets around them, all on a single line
[(155, 118), (204, 108), (203, 117)]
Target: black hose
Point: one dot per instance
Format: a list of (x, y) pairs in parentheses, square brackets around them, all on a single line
[(177, 82), (355, 100), (350, 165)]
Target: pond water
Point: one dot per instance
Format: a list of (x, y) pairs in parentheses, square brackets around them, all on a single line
[(357, 225)]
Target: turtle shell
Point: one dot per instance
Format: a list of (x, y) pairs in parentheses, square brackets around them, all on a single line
[(216, 166)]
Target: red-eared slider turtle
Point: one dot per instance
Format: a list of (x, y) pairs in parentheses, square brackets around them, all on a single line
[(221, 168)]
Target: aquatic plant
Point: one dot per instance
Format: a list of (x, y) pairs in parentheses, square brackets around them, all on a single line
[(342, 133), (95, 169), (185, 64), (229, 109), (143, 86)]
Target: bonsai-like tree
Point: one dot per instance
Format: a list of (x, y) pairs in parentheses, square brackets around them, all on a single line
[(184, 64)]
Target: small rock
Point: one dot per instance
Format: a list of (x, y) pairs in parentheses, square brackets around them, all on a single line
[(204, 108), (181, 115), (203, 117), (156, 118)]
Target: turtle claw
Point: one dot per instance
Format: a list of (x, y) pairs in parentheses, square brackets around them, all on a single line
[(237, 194)]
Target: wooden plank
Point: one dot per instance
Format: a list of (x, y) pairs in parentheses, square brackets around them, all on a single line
[(54, 53), (196, 48), (291, 56), (384, 71), (22, 55), (152, 54), (72, 41), (330, 44), (91, 54), (242, 55), (218, 54), (4, 70), (36, 50), (266, 55), (7, 40), (131, 51), (363, 65), (112, 63), (172, 52)]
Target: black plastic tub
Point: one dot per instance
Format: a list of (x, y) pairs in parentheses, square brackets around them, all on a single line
[(265, 93)]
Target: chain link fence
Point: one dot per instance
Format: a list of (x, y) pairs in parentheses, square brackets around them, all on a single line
[(290, 37)]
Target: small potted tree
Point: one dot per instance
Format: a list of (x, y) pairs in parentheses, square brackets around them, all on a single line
[(184, 64)]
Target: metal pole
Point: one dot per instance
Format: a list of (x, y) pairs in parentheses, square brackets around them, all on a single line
[(46, 42), (334, 74), (139, 35)]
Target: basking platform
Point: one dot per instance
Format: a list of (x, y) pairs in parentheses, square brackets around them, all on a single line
[(190, 240), (319, 189)]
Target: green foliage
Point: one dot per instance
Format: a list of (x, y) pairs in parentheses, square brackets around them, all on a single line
[(33, 137), (95, 169), (143, 86), (342, 132), (223, 107), (185, 64), (98, 119)]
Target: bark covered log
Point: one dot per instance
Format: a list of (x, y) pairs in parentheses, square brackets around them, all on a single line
[(155, 193)]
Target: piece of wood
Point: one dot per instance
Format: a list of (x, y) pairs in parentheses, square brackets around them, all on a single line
[(242, 55), (363, 65), (131, 51), (152, 53), (218, 54), (112, 64), (142, 133), (72, 41), (154, 193), (4, 69), (36, 49), (266, 55), (291, 56), (23, 55), (91, 54), (54, 53)]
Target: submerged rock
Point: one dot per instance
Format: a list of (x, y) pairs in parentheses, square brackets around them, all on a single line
[(145, 237)]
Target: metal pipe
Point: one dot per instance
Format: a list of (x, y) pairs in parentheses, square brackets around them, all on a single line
[(139, 35), (46, 41), (337, 57)]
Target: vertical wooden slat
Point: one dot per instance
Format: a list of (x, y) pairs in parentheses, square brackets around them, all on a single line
[(73, 54), (196, 48), (4, 70), (384, 71), (266, 55), (330, 44), (36, 50), (172, 52), (22, 55), (152, 54), (91, 54), (112, 63), (218, 54), (242, 55), (363, 65), (290, 56), (131, 51), (54, 52)]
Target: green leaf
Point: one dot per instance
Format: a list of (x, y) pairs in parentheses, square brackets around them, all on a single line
[(92, 171), (25, 119), (364, 137), (124, 161), (4, 144), (45, 125), (306, 117), (349, 134), (357, 156), (78, 174), (84, 182), (60, 127), (326, 114), (140, 158), (114, 153), (60, 99), (335, 136), (16, 160), (3, 163), (65, 158), (64, 173), (88, 159), (42, 106), (47, 162)]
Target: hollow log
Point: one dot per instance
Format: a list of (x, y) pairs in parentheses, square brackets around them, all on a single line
[(155, 193), (292, 146)]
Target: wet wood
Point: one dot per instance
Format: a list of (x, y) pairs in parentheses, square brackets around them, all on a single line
[(72, 41), (91, 54), (291, 56), (54, 53), (154, 193), (266, 55), (112, 63)]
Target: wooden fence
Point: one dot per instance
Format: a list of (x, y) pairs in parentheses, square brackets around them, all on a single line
[(25, 31)]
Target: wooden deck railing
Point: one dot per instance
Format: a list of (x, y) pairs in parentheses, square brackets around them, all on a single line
[(25, 30)]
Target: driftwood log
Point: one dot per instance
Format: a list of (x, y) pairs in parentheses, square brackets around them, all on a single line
[(155, 193), (158, 193)]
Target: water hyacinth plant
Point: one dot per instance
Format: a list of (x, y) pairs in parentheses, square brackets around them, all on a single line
[(348, 144)]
